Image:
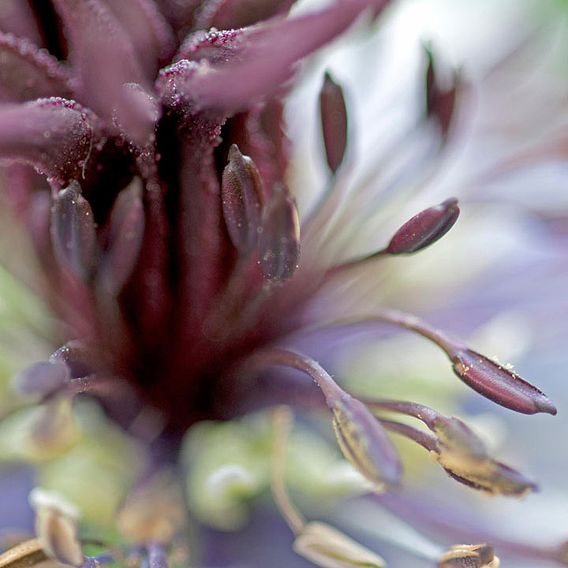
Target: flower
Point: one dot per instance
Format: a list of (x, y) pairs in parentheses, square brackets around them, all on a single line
[(172, 253)]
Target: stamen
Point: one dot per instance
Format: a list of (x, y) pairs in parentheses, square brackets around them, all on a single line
[(469, 556), (243, 197), (361, 438), (279, 240), (425, 439), (24, 555), (418, 233), (282, 421), (440, 103), (56, 527), (488, 378), (457, 449), (322, 544), (333, 115), (73, 232)]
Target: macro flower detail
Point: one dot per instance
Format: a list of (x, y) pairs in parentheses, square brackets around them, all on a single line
[(147, 165)]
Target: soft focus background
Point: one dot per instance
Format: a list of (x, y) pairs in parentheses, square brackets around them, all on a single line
[(498, 280)]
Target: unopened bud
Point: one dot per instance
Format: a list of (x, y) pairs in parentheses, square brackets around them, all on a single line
[(154, 511), (425, 228), (279, 241), (56, 527), (333, 113), (73, 231), (469, 556), (327, 547), (365, 443), (243, 197), (464, 457), (499, 384)]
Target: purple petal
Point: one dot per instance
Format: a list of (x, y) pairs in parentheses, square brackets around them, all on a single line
[(425, 228), (242, 196), (42, 378), (333, 114), (125, 240), (104, 60), (232, 14), (215, 46), (268, 55), (150, 33), (54, 135), (73, 232), (17, 17), (499, 384), (279, 241), (27, 72), (137, 114)]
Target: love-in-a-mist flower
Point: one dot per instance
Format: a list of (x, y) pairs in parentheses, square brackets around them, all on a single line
[(172, 254)]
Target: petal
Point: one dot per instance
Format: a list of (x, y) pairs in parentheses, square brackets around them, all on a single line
[(27, 72), (42, 378), (149, 32), (17, 17), (104, 59), (54, 135), (268, 54), (233, 14)]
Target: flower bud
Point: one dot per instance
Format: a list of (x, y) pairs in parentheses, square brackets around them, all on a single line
[(464, 457), (333, 114), (279, 241), (327, 547), (425, 228), (242, 195), (56, 527), (73, 231), (365, 443), (499, 384), (469, 556)]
